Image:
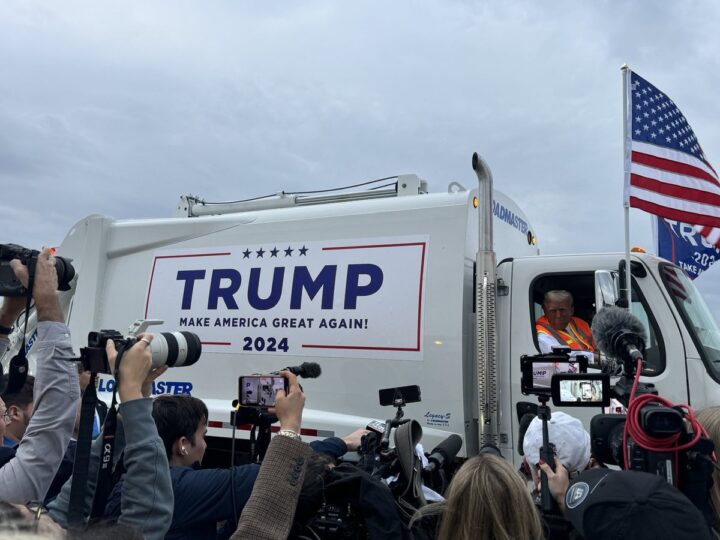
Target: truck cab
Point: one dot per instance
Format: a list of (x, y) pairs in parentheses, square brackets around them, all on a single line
[(683, 342)]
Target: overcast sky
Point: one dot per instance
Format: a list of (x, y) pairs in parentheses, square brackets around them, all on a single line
[(118, 108)]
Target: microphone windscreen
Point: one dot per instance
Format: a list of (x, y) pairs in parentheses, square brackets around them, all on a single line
[(310, 370), (449, 448), (611, 320), (525, 421)]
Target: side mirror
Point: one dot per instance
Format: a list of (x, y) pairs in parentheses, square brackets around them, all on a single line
[(605, 289)]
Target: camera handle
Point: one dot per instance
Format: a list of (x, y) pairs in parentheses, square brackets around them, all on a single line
[(390, 424), (260, 435), (547, 455)]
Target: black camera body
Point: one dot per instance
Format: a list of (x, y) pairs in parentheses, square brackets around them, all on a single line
[(691, 470), (11, 286), (94, 356)]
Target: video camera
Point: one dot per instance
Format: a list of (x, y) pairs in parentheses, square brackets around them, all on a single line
[(655, 436), (11, 286), (540, 378)]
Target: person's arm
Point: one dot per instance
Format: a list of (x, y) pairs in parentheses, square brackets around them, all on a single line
[(334, 447), (205, 495), (28, 476), (546, 343), (270, 511), (337, 447), (59, 507), (147, 495)]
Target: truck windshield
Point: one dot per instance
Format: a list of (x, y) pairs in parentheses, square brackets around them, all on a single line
[(698, 318)]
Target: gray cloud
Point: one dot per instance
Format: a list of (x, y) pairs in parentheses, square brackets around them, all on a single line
[(118, 108)]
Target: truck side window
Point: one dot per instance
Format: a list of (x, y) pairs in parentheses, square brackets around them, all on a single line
[(561, 325), (654, 348)]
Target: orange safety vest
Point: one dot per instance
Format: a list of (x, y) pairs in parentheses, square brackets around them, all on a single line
[(577, 335)]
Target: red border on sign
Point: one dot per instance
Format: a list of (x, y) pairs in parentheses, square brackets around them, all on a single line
[(152, 276), (419, 312)]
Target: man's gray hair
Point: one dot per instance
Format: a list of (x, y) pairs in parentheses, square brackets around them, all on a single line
[(558, 296)]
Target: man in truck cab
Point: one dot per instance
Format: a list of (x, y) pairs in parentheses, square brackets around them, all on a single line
[(559, 328)]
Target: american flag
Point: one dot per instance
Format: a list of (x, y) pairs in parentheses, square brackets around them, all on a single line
[(668, 173)]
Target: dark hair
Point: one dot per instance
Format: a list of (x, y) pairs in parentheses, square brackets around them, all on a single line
[(178, 416), (21, 398)]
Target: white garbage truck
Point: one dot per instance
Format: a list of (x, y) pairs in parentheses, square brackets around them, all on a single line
[(383, 288)]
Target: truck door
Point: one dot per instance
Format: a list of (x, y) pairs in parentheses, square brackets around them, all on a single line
[(664, 354)]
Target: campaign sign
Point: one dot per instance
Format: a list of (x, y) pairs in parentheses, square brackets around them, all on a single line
[(683, 245), (357, 298)]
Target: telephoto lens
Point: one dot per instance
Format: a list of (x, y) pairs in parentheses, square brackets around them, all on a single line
[(175, 349)]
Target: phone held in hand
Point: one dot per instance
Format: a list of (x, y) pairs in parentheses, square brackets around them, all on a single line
[(260, 390)]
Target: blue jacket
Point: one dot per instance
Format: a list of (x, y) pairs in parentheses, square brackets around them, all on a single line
[(203, 497)]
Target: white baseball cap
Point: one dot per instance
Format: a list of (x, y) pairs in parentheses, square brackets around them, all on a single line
[(567, 433)]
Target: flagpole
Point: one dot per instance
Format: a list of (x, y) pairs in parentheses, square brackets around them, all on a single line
[(626, 203)]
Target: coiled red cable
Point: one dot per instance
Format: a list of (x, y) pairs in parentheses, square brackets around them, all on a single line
[(633, 428)]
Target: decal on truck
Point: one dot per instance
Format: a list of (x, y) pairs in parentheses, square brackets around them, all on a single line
[(298, 298), (107, 384)]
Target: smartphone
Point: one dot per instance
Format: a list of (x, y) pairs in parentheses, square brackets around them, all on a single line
[(260, 390), (409, 394), (581, 390), (537, 371)]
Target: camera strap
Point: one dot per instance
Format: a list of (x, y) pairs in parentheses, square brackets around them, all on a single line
[(105, 472), (78, 487), (104, 483), (18, 367)]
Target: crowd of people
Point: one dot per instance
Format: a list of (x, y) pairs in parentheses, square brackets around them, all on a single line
[(160, 490)]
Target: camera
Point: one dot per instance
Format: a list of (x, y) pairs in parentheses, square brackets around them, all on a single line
[(174, 349), (580, 390), (655, 436), (538, 370), (11, 286)]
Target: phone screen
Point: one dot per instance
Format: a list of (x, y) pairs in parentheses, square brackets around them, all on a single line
[(542, 372), (260, 390), (581, 390)]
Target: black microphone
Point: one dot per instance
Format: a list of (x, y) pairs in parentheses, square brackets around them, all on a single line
[(619, 334), (444, 452), (306, 370)]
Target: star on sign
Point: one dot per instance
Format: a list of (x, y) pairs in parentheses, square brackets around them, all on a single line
[(246, 254), (260, 252), (303, 250), (288, 252), (274, 251)]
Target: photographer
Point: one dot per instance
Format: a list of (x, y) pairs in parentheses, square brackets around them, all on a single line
[(269, 512), (28, 475), (569, 438), (204, 498), (603, 503), (146, 495)]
